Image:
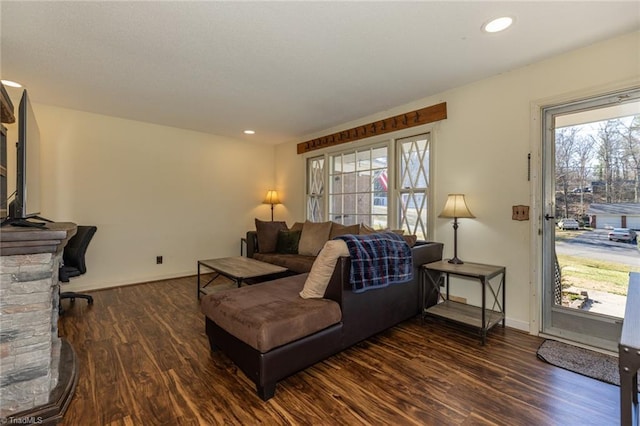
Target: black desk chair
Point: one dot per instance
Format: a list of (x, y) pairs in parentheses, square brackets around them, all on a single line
[(73, 263)]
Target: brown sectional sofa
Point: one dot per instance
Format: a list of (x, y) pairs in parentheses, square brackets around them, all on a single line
[(296, 262), (270, 332)]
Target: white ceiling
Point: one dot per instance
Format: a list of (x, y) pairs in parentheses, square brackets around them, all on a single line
[(284, 69)]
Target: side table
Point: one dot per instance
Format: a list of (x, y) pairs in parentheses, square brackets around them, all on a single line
[(480, 317)]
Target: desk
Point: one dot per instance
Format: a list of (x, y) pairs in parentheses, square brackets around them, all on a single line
[(480, 317)]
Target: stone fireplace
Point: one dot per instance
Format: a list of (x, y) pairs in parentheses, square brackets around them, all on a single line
[(37, 367)]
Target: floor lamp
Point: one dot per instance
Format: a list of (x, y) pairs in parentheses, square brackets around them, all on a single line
[(271, 198), (456, 207)]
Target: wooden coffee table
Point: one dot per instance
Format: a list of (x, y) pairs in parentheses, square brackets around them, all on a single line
[(237, 268)]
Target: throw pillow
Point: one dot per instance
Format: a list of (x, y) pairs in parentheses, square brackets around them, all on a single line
[(338, 229), (367, 230), (297, 226), (313, 237), (268, 235), (322, 269), (288, 242), (410, 239)]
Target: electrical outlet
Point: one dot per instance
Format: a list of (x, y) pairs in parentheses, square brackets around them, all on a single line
[(520, 212), (159, 260)]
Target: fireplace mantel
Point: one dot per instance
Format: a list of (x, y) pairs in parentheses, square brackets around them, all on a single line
[(21, 240)]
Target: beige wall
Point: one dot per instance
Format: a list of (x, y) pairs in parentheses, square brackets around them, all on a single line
[(151, 190), (481, 150), (156, 190)]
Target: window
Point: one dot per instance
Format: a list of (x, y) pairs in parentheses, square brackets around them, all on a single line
[(358, 187), (383, 185), (413, 184), (315, 189)]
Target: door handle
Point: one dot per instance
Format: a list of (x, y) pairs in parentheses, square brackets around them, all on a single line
[(547, 217)]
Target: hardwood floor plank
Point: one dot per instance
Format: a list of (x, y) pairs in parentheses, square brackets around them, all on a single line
[(403, 386), (144, 359), (186, 408)]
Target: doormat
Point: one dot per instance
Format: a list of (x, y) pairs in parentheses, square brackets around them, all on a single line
[(592, 364)]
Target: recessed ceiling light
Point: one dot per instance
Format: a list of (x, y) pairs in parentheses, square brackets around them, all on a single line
[(498, 24), (11, 83), (249, 132)]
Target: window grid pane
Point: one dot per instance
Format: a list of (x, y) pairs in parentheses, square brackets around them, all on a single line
[(358, 189), (315, 189), (357, 186), (413, 184)]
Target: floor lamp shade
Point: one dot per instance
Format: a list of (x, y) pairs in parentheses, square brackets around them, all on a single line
[(271, 198), (456, 207)]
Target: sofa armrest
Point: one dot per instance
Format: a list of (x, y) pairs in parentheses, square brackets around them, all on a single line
[(423, 252), (426, 252), (252, 243), (339, 279)]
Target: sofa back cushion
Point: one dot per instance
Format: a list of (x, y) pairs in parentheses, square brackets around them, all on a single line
[(268, 235), (313, 237), (338, 229), (410, 239), (297, 226)]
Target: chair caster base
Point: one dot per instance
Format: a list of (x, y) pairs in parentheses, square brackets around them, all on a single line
[(72, 298)]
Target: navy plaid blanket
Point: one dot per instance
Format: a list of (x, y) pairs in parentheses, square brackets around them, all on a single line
[(378, 260)]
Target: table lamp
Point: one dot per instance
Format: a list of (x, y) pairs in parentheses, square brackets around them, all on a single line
[(271, 198), (456, 207)]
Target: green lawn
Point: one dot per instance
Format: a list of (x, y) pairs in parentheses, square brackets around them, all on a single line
[(592, 274)]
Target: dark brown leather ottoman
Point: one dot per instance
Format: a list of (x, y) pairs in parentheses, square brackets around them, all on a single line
[(271, 314)]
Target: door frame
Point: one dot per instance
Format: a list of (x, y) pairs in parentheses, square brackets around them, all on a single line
[(535, 165)]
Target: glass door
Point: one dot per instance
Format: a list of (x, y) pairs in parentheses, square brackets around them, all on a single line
[(591, 194)]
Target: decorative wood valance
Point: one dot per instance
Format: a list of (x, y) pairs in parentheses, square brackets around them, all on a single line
[(403, 121)]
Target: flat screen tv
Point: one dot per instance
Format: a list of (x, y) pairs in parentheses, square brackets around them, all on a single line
[(26, 203)]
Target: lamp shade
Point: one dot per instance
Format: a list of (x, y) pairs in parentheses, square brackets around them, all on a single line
[(456, 207), (272, 197)]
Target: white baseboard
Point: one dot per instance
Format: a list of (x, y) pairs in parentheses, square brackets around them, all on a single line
[(518, 324)]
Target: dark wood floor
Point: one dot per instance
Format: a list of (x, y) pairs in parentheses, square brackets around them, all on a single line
[(144, 360)]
